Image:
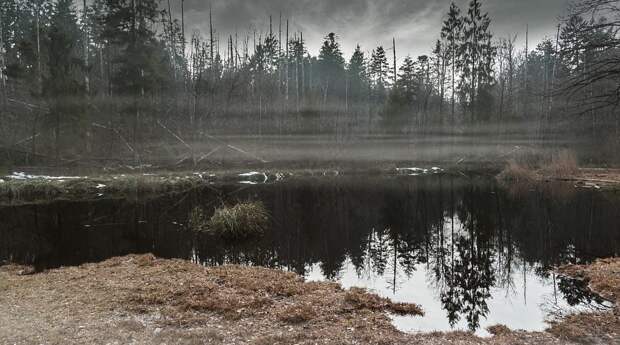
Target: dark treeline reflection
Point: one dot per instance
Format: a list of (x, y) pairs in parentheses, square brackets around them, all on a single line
[(469, 233)]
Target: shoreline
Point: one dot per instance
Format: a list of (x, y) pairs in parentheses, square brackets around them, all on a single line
[(23, 188), (146, 300)]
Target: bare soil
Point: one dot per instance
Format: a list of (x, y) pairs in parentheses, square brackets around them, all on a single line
[(146, 300)]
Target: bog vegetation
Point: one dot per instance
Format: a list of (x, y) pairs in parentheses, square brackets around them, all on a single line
[(114, 80), (242, 221)]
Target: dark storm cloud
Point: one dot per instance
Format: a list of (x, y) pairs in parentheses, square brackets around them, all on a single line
[(414, 23)]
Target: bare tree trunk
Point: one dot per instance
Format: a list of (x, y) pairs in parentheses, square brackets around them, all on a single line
[(183, 25), (86, 73), (172, 45), (394, 51), (39, 81), (553, 76), (303, 72), (346, 94), (2, 63), (86, 51), (297, 82), (453, 117), (287, 64), (526, 76), (212, 43), (280, 58)]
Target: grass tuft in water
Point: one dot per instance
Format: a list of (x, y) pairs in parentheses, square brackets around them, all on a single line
[(242, 221)]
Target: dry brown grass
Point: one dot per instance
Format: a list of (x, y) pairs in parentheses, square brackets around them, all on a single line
[(297, 314), (596, 328), (516, 172), (140, 299), (563, 164), (361, 299), (603, 278), (528, 168), (499, 330)]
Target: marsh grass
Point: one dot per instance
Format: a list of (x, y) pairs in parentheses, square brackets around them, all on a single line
[(517, 172), (242, 221), (130, 186), (529, 167), (28, 190), (563, 164)]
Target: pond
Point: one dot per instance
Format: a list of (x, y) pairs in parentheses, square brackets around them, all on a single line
[(471, 253)]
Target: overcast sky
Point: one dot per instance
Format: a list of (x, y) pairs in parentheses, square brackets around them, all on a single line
[(414, 23)]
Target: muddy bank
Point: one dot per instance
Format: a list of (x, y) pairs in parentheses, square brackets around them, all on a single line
[(144, 300)]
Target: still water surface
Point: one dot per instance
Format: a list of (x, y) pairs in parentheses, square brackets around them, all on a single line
[(471, 253)]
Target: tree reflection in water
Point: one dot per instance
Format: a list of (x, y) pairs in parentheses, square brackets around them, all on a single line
[(470, 236)]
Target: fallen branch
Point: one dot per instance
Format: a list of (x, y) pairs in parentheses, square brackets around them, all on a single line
[(117, 133), (235, 148), (208, 154), (175, 135)]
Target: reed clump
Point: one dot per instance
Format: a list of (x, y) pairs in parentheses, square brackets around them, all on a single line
[(517, 172), (563, 164), (528, 168), (242, 221)]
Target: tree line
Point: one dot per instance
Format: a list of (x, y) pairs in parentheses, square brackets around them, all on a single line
[(118, 75)]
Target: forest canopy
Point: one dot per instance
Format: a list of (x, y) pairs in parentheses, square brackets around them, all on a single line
[(111, 77)]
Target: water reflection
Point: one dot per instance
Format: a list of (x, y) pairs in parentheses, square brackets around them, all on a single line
[(470, 252)]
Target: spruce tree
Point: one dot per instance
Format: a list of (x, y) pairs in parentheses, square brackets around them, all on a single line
[(478, 56), (356, 74), (331, 65), (452, 33), (379, 68)]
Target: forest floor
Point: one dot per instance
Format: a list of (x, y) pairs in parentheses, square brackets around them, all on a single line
[(145, 300)]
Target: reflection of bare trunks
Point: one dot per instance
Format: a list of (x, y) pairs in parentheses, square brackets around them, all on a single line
[(475, 250)]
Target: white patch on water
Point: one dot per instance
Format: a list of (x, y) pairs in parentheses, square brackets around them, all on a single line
[(280, 176), (24, 176), (254, 175), (415, 171)]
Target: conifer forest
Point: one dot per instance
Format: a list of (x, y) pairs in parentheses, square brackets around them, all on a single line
[(110, 78)]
